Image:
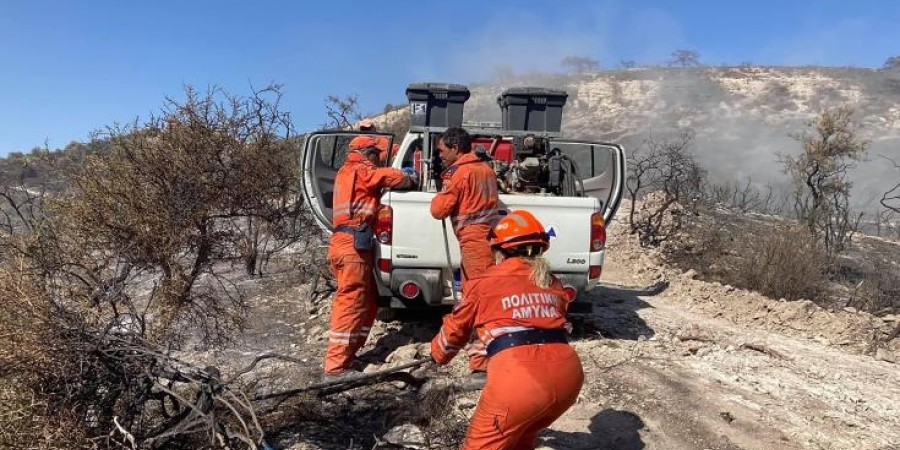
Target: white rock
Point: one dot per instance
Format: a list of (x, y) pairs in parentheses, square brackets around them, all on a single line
[(886, 355), (406, 436), (405, 353), (466, 403)]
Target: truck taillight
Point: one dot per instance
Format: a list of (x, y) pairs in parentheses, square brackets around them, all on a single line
[(594, 272), (410, 290), (598, 232), (384, 265), (384, 225)]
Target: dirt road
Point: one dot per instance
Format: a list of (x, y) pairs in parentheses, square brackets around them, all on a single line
[(671, 362), (672, 375), (703, 383)]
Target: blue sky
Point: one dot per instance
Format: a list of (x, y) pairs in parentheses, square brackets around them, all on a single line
[(67, 67)]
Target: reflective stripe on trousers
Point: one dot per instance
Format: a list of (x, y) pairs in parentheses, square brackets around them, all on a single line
[(355, 303)]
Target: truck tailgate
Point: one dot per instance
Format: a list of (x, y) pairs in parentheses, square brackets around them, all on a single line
[(418, 239)]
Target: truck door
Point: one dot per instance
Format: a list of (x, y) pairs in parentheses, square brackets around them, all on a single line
[(323, 155), (600, 167)]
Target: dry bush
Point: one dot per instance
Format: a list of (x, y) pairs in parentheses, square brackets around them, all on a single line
[(890, 200), (701, 244), (831, 148), (685, 58), (746, 198), (342, 112), (29, 364), (25, 425), (103, 283), (779, 260), (875, 285), (668, 171), (782, 259), (444, 426), (886, 223), (658, 218)]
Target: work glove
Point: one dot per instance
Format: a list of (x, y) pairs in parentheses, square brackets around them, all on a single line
[(412, 174)]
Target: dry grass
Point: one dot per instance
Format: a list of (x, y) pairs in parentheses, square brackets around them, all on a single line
[(779, 260), (27, 421), (872, 282)]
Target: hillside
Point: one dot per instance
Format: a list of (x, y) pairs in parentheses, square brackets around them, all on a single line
[(742, 116)]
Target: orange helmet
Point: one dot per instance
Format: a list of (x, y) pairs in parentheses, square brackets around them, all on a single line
[(517, 229), (367, 125)]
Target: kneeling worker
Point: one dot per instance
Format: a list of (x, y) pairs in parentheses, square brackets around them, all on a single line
[(518, 309)]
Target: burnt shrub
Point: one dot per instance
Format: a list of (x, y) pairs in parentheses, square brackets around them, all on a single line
[(777, 259)]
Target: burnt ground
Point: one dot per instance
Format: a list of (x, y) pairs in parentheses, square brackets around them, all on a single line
[(671, 362)]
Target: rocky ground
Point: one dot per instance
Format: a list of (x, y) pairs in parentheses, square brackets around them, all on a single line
[(672, 363)]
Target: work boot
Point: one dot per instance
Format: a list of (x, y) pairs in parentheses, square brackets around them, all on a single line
[(474, 382)]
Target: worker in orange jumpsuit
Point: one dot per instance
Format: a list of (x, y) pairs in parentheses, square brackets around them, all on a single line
[(368, 125), (518, 309), (357, 190), (470, 199)]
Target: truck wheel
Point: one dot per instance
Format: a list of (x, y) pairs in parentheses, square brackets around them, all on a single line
[(386, 314)]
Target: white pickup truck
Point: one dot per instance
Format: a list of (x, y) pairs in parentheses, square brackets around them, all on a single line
[(572, 187), (412, 262)]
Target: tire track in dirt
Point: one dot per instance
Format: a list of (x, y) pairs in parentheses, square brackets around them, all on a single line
[(672, 375)]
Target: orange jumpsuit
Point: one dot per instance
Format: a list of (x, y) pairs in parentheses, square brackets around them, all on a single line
[(357, 189), (528, 386), (471, 200)]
